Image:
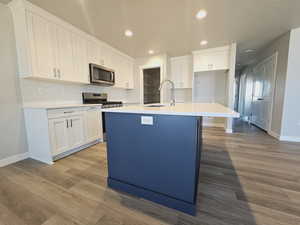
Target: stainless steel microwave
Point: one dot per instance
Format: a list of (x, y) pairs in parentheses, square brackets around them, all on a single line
[(101, 75)]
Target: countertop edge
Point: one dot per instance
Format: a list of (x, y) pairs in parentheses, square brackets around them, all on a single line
[(48, 107), (205, 114)]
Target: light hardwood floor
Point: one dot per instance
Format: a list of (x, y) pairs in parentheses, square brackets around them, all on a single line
[(245, 178)]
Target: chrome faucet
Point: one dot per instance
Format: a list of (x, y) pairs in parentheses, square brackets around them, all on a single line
[(172, 90)]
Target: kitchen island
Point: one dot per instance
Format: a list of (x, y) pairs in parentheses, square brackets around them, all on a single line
[(154, 151)]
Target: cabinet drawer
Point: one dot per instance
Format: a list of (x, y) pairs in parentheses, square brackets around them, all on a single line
[(66, 112)]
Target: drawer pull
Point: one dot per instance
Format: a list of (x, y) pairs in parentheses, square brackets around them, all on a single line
[(69, 112)]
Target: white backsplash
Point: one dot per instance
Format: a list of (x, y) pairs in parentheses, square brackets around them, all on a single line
[(44, 92)]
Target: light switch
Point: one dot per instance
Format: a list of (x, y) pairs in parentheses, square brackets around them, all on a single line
[(147, 120)]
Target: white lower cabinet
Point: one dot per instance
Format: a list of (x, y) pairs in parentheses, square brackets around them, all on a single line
[(76, 130), (93, 124), (56, 133), (66, 133)]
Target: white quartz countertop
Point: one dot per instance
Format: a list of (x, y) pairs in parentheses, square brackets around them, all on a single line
[(184, 109), (58, 106)]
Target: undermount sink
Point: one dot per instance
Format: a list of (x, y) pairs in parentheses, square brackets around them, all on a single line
[(156, 105)]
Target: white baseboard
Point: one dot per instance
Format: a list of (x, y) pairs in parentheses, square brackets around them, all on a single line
[(273, 134), (289, 138), (13, 159), (228, 131), (284, 138), (208, 124)]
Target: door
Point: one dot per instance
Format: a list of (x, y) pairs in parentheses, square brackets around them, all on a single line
[(263, 86), (151, 80), (76, 131), (93, 124), (42, 45), (81, 66), (58, 129), (64, 54)]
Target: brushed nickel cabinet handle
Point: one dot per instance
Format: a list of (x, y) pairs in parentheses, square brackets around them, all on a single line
[(68, 112)]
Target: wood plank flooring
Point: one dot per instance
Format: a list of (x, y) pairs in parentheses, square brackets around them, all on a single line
[(246, 178)]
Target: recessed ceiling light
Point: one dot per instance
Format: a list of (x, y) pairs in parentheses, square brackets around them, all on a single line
[(249, 50), (204, 42), (201, 14), (128, 33), (151, 52)]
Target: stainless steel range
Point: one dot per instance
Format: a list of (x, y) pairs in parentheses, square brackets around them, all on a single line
[(100, 98)]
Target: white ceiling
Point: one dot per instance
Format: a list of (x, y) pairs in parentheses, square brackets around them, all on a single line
[(169, 26)]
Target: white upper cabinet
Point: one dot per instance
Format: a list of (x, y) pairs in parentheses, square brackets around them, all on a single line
[(42, 47), (211, 59), (81, 65), (181, 71), (106, 56), (64, 50), (93, 48), (129, 84), (123, 67), (49, 48)]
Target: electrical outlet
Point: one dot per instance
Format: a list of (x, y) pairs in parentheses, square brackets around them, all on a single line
[(147, 120)]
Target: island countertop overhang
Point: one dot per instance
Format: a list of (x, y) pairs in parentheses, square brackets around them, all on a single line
[(180, 109)]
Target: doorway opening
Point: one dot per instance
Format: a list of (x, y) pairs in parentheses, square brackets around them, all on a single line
[(151, 83)]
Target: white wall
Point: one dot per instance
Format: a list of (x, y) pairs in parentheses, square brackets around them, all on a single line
[(13, 136), (183, 95), (291, 110), (136, 95), (211, 87)]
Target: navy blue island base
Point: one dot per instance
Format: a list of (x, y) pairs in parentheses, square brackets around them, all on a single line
[(159, 162)]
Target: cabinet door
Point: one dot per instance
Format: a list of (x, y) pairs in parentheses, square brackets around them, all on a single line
[(129, 71), (106, 55), (42, 46), (81, 67), (176, 72), (187, 73), (93, 119), (203, 62), (65, 65), (119, 67), (76, 131), (216, 60), (59, 135), (220, 60), (181, 72), (93, 52)]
